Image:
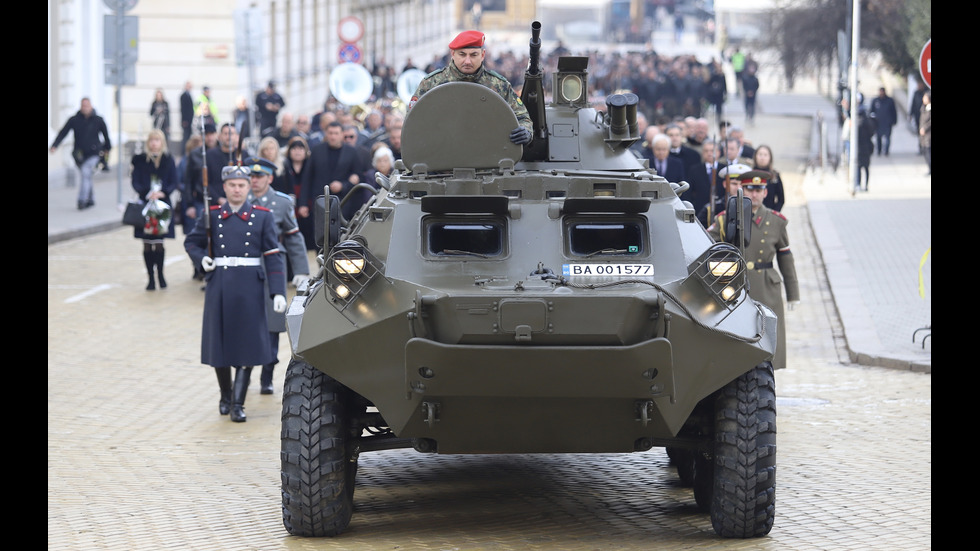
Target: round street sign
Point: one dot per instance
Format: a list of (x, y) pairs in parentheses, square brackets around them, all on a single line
[(121, 5), (349, 53), (350, 29), (925, 63)]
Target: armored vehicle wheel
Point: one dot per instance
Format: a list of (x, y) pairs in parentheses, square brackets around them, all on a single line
[(318, 467), (684, 462), (704, 480), (744, 490)]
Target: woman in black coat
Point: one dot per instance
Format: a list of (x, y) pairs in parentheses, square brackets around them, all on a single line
[(290, 181), (160, 113), (775, 195), (154, 177), (865, 147)]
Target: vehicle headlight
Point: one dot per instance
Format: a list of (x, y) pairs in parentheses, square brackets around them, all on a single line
[(347, 259), (350, 268), (721, 270)]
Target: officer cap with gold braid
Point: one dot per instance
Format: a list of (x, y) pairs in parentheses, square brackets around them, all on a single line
[(754, 179)]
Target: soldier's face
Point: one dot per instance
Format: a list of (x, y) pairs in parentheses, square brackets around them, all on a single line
[(236, 191), (260, 183), (733, 185), (468, 60), (756, 194)]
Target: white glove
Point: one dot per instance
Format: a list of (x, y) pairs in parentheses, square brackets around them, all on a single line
[(207, 263), (298, 279), (278, 304), (793, 304)]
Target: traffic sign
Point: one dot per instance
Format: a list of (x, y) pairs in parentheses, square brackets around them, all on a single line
[(925, 63), (349, 53), (350, 29), (121, 5)]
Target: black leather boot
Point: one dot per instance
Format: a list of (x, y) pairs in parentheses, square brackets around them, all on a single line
[(242, 376), (159, 261), (266, 378), (150, 259), (224, 385)]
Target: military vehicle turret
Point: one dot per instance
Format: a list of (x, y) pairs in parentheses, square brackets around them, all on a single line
[(555, 298)]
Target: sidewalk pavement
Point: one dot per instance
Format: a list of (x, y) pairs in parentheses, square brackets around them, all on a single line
[(874, 245)]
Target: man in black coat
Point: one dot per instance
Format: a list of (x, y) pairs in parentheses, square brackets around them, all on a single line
[(333, 163), (186, 116), (269, 103), (91, 145), (667, 166), (750, 85), (220, 156), (885, 116), (699, 175), (687, 155)]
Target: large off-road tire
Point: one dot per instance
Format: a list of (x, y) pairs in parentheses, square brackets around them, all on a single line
[(744, 493), (317, 467), (684, 462), (704, 481)]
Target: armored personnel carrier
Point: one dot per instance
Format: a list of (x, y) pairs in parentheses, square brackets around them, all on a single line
[(552, 298)]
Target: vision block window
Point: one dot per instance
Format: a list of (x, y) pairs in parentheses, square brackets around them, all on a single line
[(482, 238), (596, 238)]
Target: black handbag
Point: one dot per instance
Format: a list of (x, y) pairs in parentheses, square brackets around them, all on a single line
[(133, 216)]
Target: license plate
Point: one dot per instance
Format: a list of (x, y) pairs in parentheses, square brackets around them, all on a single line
[(607, 270)]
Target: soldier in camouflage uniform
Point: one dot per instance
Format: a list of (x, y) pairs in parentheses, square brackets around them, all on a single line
[(467, 66), (769, 240)]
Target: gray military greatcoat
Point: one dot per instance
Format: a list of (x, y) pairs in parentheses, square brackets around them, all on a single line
[(291, 245)]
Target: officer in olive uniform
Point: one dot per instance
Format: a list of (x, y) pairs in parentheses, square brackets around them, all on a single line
[(292, 247), (466, 65), (769, 241), (239, 236)]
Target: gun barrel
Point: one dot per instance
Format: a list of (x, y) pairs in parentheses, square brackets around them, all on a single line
[(534, 67)]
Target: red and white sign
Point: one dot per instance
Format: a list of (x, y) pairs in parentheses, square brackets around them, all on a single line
[(925, 63), (350, 29)]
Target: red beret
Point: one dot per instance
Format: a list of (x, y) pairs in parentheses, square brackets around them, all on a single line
[(468, 39)]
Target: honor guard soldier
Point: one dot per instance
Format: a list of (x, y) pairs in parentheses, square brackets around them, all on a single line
[(292, 247), (466, 65), (238, 247), (728, 175), (769, 241)]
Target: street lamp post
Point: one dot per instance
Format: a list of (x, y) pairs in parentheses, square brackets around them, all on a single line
[(855, 44)]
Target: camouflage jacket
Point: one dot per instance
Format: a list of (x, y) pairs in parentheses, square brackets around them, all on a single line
[(487, 77)]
